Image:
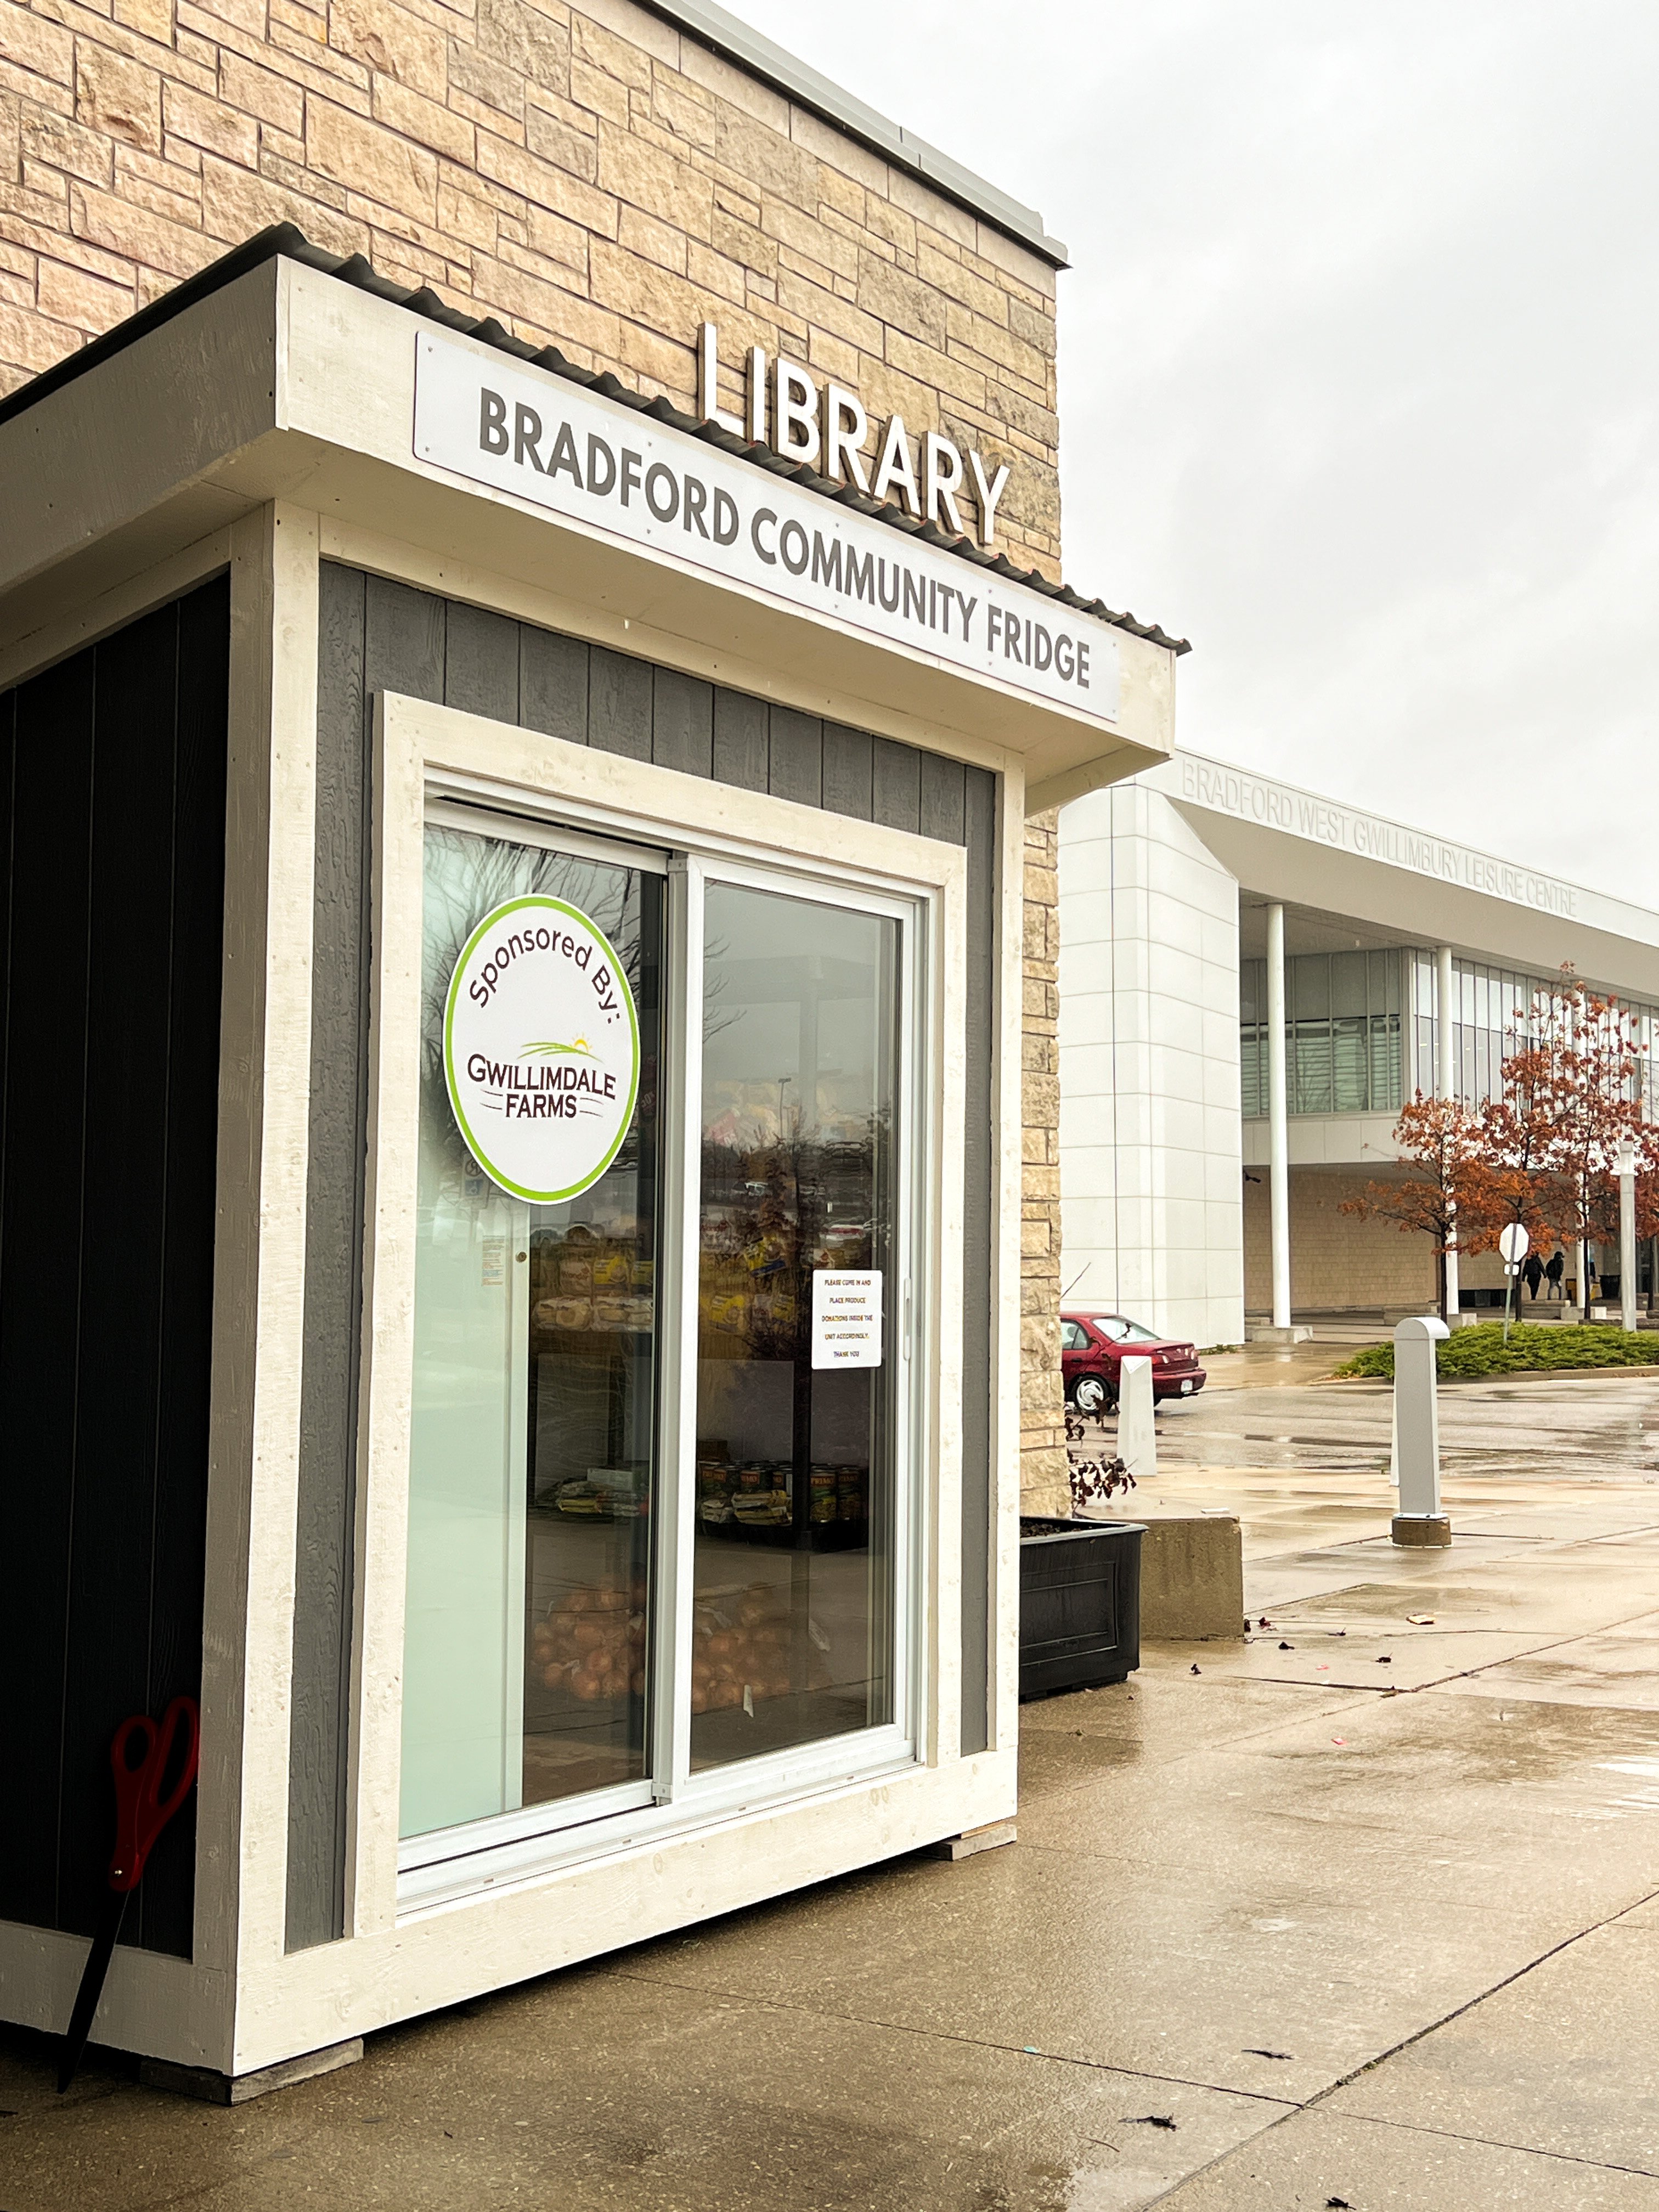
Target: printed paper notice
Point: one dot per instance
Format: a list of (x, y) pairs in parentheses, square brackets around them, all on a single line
[(846, 1319)]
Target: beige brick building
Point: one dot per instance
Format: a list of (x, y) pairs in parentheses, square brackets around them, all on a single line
[(591, 175), (597, 178), (1044, 1484)]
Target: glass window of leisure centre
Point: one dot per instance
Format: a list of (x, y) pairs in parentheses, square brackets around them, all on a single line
[(545, 792)]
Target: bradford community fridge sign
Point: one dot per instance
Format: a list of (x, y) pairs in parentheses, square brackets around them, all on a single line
[(573, 452), (541, 1049)]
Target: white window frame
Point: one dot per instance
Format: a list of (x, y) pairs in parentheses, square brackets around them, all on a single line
[(438, 762)]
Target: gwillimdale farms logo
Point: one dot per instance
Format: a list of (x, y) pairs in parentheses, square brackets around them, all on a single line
[(541, 1049)]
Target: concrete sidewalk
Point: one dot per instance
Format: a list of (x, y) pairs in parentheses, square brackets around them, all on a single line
[(1296, 1929)]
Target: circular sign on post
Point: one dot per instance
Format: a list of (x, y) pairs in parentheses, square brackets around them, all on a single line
[(1513, 1243), (541, 1049)]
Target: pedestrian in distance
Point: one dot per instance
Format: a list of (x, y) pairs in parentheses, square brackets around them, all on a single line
[(1533, 1272), (1553, 1272)]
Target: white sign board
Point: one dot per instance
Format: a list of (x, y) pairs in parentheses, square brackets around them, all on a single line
[(541, 1049), (1513, 1242), (846, 1319), (524, 430)]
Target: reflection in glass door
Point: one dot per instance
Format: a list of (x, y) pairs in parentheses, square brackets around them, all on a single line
[(538, 1691), (528, 1611), (793, 1571)]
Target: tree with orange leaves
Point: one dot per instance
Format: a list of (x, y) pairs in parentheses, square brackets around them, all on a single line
[(1569, 1109), (1453, 1194)]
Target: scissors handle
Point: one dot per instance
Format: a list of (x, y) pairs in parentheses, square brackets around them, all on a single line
[(141, 1811)]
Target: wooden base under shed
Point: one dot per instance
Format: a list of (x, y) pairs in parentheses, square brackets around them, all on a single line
[(211, 2088), (987, 1838)]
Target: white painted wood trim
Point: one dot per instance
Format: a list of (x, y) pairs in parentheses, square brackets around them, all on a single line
[(462, 1949), (284, 881), (386, 1388), (654, 805)]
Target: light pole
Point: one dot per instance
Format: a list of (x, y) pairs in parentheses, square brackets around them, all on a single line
[(1278, 1148), (1626, 1164), (1445, 1084)]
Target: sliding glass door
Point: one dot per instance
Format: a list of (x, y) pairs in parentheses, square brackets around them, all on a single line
[(528, 1630), (660, 1488), (792, 1636)]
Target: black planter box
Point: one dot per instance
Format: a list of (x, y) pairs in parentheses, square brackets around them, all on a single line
[(1079, 1603)]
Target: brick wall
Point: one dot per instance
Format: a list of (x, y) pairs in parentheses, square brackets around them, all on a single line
[(1336, 1259), (584, 172), (1043, 1487), (594, 180)]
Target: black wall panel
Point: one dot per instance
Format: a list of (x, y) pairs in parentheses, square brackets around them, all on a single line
[(379, 636), (112, 885)]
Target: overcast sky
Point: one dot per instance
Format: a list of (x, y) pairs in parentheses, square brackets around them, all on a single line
[(1359, 372)]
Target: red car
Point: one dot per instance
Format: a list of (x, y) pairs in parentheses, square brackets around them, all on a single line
[(1091, 1345)]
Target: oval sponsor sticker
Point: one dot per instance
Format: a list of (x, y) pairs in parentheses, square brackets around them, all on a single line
[(541, 1049)]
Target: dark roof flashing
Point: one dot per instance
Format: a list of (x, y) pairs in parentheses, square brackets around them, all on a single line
[(284, 240)]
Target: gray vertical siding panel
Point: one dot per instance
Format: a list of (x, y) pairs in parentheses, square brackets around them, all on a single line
[(401, 639), (619, 704), (943, 798), (797, 757), (898, 785), (370, 632), (848, 771), (682, 723), (979, 1166), (553, 684), (481, 662), (740, 740)]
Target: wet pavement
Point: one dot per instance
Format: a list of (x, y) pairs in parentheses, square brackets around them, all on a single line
[(1363, 1910), (1275, 1409)]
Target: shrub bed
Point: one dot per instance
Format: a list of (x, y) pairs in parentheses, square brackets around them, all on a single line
[(1530, 1350)]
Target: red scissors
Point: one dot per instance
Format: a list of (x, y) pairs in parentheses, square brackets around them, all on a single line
[(141, 1813)]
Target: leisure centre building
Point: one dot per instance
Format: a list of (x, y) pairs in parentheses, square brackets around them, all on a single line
[(1180, 892)]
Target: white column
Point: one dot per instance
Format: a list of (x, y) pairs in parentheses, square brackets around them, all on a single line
[(1445, 1081), (1626, 1236), (1279, 1164)]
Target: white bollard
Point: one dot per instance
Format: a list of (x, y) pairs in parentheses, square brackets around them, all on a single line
[(1137, 1438), (1417, 1432)]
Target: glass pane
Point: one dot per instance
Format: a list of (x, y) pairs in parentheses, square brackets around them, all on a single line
[(793, 1630), (527, 1627), (1308, 986), (1349, 1065), (1310, 1067), (1387, 1078), (1348, 983), (1252, 1074)]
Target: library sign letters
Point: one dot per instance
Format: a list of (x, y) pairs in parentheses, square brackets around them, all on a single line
[(541, 1049), (528, 432)]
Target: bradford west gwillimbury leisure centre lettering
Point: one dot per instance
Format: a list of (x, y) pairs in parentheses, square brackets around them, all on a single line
[(673, 494), (584, 456)]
